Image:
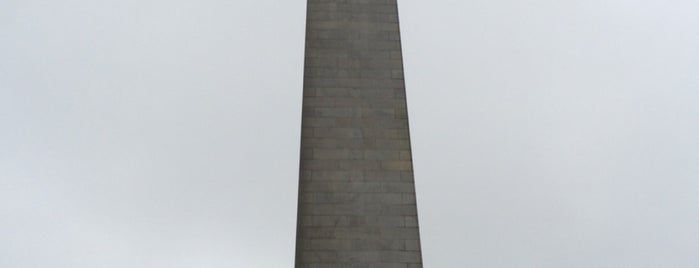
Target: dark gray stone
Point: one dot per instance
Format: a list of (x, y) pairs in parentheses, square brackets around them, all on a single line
[(356, 194)]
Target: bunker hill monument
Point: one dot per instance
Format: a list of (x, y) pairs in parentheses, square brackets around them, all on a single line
[(356, 205)]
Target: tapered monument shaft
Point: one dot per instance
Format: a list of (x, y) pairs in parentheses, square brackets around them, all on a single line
[(356, 192)]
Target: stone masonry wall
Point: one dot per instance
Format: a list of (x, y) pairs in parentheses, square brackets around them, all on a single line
[(356, 192)]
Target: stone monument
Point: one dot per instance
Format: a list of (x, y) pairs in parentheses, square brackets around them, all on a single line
[(356, 191)]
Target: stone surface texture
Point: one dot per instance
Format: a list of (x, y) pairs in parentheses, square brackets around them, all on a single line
[(356, 190)]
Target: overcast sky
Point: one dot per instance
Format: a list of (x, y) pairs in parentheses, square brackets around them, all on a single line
[(157, 133)]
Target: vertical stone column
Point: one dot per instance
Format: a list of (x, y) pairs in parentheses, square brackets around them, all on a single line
[(356, 192)]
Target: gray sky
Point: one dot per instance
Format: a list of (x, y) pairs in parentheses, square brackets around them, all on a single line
[(158, 133)]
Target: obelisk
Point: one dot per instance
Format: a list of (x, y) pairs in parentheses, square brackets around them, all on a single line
[(356, 190)]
